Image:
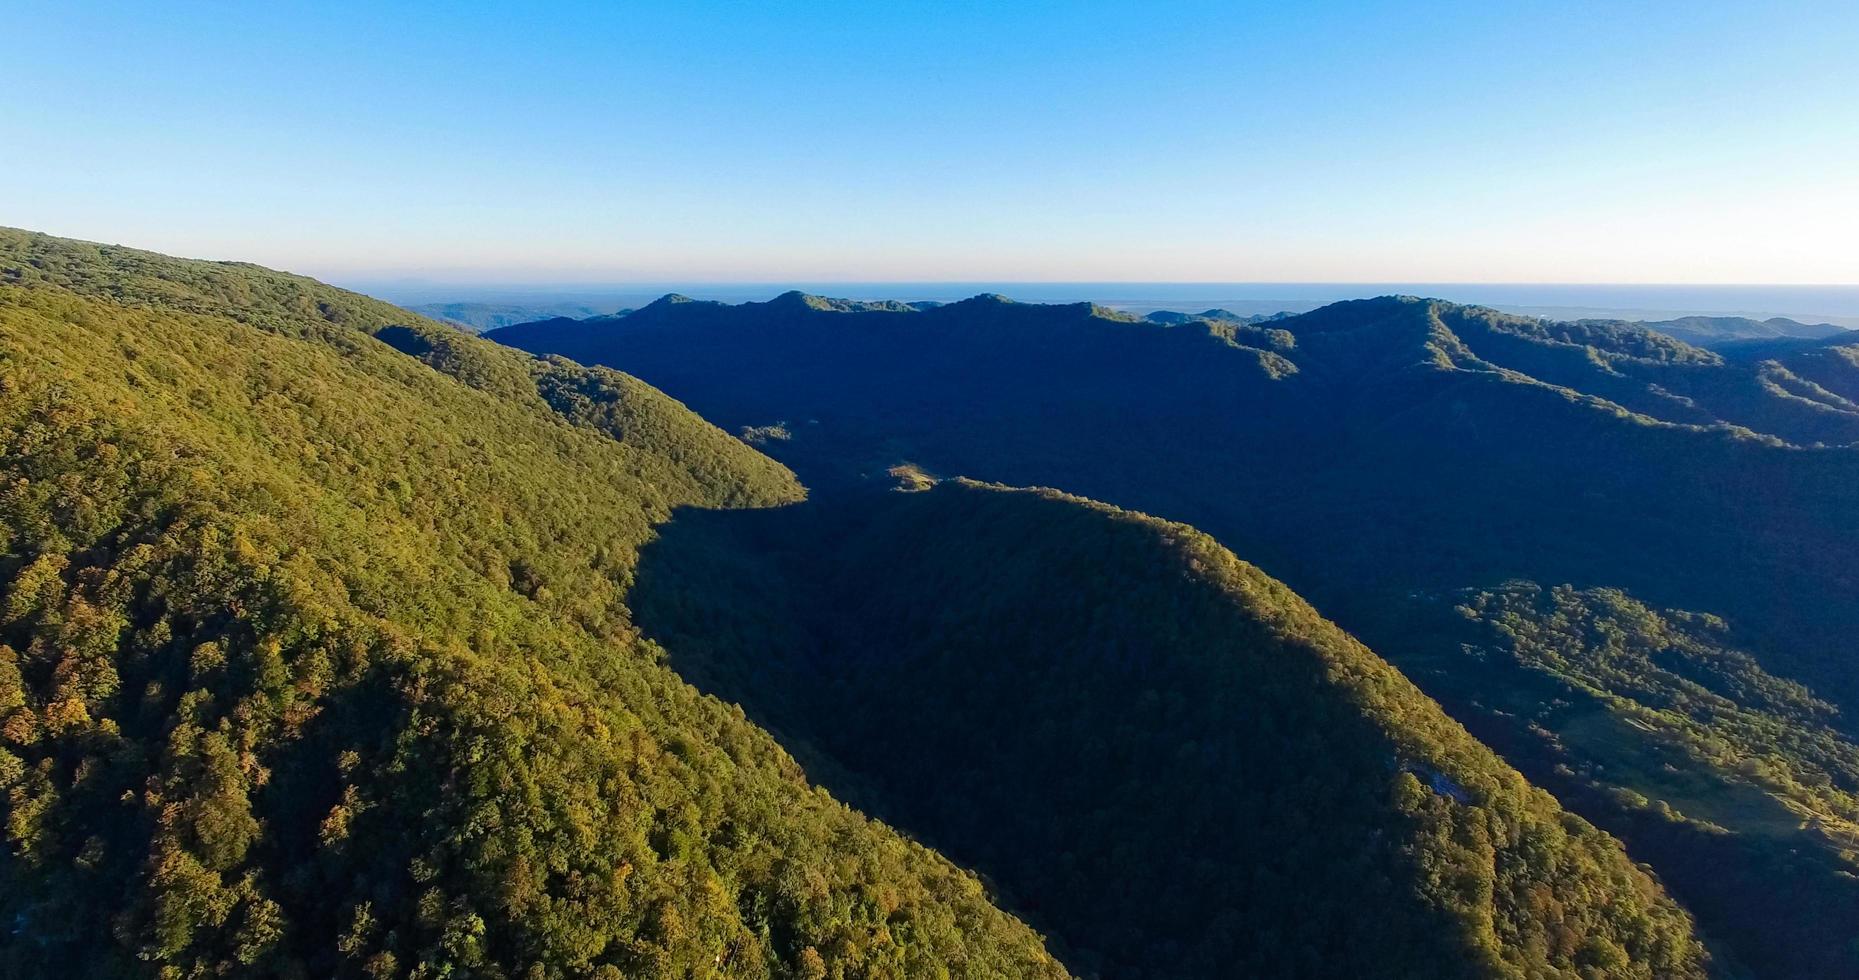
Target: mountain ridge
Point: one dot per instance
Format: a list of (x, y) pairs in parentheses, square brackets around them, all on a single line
[(1374, 452)]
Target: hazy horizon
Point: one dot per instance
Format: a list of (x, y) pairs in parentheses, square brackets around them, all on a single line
[(1835, 304), (1455, 142)]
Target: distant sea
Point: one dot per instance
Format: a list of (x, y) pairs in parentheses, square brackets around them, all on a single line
[(1809, 304)]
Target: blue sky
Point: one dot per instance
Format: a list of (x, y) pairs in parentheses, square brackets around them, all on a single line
[(1463, 142)]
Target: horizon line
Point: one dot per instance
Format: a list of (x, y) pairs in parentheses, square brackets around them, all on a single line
[(799, 280)]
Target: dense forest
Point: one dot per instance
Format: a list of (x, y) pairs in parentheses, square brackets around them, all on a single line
[(1383, 456), (314, 661), (1742, 787)]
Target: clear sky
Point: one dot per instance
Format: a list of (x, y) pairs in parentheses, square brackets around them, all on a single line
[(1464, 142)]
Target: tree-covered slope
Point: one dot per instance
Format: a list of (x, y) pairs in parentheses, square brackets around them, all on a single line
[(314, 662), (1740, 786), (1160, 754), (706, 462)]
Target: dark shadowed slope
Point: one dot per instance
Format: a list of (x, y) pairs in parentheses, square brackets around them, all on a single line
[(1160, 755)]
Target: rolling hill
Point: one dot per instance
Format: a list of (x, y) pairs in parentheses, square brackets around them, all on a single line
[(1173, 317), (1711, 331), (479, 317)]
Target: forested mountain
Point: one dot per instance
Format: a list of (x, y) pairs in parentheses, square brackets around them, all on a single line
[(321, 655), (314, 661), (1390, 458)]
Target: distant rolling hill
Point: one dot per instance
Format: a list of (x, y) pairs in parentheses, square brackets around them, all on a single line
[(1172, 317), (1710, 331), (479, 317), (1390, 458)]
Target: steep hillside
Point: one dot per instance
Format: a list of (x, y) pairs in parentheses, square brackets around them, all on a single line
[(1742, 787), (1363, 453), (314, 662), (1159, 754)]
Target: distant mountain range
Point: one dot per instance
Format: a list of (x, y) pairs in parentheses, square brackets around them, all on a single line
[(1703, 331), (1627, 561)]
